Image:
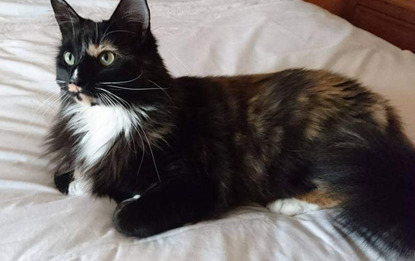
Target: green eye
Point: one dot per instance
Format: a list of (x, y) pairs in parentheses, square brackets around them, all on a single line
[(107, 58), (69, 58)]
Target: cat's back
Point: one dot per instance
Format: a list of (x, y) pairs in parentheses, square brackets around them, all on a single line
[(309, 99), (293, 88), (288, 83)]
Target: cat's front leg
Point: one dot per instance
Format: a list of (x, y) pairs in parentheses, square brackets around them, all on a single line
[(62, 181), (169, 205)]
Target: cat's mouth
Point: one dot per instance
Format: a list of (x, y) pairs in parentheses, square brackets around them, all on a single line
[(81, 97)]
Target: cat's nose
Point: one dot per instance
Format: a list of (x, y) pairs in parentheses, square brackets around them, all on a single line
[(76, 78), (74, 88)]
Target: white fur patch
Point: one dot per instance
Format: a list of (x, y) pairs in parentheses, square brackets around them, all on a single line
[(134, 198), (125, 202), (75, 75), (291, 207), (99, 126), (80, 185)]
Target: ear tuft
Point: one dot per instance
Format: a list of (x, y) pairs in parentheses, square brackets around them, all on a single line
[(65, 16), (132, 14)]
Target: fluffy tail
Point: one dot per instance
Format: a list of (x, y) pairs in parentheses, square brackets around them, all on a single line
[(374, 175)]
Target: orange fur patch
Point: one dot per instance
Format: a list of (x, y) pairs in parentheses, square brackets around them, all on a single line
[(74, 88), (81, 97), (95, 50), (318, 197), (85, 99)]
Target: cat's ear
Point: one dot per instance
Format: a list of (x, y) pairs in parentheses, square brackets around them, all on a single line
[(133, 15), (65, 15)]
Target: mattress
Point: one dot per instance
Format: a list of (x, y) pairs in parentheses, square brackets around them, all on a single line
[(196, 37)]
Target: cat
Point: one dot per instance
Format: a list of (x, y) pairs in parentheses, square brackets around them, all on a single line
[(175, 151)]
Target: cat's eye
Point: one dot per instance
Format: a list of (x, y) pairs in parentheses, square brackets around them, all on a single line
[(69, 58), (107, 58)]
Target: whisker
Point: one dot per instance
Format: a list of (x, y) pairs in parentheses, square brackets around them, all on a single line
[(152, 154), (132, 89), (51, 98), (136, 78), (115, 97), (121, 99), (142, 155), (41, 110), (102, 99), (116, 31), (161, 88), (106, 30), (143, 148), (46, 105), (96, 32), (109, 99), (51, 81), (71, 20), (113, 100)]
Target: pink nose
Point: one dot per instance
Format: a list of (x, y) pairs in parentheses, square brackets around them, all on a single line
[(74, 88)]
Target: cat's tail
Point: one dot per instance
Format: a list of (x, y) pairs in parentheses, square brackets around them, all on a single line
[(373, 174)]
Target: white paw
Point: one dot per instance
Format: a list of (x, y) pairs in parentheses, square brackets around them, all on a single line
[(291, 206), (79, 187)]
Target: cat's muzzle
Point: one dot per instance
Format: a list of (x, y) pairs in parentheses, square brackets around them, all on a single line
[(80, 96)]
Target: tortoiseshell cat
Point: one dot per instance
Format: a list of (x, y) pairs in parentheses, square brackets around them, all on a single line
[(174, 151)]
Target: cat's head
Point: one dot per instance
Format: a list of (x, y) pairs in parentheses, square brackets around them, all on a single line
[(109, 62)]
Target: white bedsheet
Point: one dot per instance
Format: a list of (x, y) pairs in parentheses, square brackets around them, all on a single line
[(197, 37)]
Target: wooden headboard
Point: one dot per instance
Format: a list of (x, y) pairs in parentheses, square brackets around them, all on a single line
[(392, 20)]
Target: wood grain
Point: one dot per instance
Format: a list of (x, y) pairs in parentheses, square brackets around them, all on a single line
[(392, 20), (396, 31), (342, 8)]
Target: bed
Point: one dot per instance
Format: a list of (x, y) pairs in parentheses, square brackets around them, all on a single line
[(196, 37)]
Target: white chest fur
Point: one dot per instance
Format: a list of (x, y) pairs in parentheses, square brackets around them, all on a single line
[(98, 127)]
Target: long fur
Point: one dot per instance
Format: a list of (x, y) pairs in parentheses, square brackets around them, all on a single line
[(373, 173), (193, 147)]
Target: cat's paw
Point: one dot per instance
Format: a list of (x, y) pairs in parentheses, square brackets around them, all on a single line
[(62, 181), (131, 219), (79, 187), (291, 207)]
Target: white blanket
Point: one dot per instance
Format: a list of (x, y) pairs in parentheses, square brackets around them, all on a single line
[(197, 37)]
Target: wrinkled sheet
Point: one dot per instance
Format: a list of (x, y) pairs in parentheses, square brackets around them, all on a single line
[(197, 37)]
